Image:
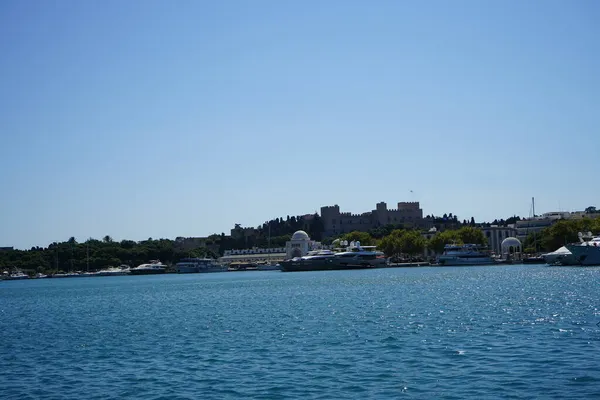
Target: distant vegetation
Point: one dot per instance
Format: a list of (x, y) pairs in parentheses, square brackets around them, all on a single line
[(403, 242), (560, 233), (392, 239), (94, 254), (409, 242)]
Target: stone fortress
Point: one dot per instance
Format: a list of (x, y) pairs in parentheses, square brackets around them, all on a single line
[(336, 222)]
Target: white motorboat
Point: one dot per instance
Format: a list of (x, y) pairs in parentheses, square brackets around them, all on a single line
[(114, 271), (354, 256), (561, 256), (198, 265), (15, 276), (466, 254), (152, 268)]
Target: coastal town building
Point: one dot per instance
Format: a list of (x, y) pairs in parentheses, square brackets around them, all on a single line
[(511, 248), (536, 224), (336, 222), (300, 244), (495, 235), (255, 254)]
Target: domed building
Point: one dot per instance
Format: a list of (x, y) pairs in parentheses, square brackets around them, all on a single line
[(300, 236), (511, 246), (299, 245)]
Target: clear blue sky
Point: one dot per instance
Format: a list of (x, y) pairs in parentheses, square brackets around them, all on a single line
[(141, 119)]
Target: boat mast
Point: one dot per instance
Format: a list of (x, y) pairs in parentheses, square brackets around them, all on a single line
[(534, 233)]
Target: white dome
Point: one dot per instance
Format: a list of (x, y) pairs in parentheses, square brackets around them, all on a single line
[(300, 235), (511, 242)]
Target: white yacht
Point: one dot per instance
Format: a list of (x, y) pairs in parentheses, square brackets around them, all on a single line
[(266, 266), (114, 271), (152, 268), (586, 252), (16, 275), (562, 256), (354, 256), (363, 256), (196, 265), (466, 254)]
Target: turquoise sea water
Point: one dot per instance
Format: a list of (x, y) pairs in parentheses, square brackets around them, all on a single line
[(511, 332)]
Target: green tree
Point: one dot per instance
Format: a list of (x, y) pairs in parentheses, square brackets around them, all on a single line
[(391, 245), (469, 234), (412, 243), (567, 231), (400, 241), (363, 237), (441, 239)]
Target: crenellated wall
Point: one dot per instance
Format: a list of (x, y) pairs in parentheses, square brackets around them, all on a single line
[(336, 222)]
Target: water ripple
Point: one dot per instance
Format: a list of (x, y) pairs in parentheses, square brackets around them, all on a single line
[(506, 332)]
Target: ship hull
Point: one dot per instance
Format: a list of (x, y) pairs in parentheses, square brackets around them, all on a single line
[(147, 271), (585, 255), (212, 270), (458, 261), (323, 265)]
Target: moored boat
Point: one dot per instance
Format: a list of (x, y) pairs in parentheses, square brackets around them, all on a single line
[(152, 268), (353, 257), (466, 254), (586, 252), (16, 276), (198, 265), (561, 256), (534, 260), (114, 271), (267, 267), (242, 266)]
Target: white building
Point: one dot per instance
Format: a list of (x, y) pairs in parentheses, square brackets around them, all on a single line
[(496, 234), (255, 254), (528, 226), (300, 245)]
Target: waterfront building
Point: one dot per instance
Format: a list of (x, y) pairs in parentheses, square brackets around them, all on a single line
[(495, 235), (255, 254), (336, 222), (300, 244), (536, 224), (511, 248)]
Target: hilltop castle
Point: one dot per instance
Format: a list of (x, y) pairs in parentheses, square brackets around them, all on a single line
[(336, 222)]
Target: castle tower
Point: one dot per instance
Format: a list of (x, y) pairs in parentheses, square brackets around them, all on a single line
[(331, 219), (381, 214)]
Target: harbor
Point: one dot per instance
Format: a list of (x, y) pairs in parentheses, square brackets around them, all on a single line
[(420, 323), (339, 240)]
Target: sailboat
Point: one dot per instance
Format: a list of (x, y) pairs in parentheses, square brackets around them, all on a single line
[(537, 259)]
